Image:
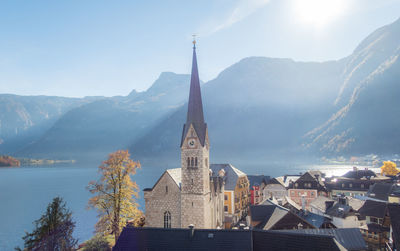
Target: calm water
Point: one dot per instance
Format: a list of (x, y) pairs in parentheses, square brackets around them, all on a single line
[(25, 192)]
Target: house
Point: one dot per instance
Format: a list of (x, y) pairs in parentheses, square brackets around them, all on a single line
[(191, 194), (162, 239), (236, 192), (394, 214), (385, 192), (274, 188), (343, 211), (307, 188), (318, 221), (257, 185), (353, 183), (275, 217), (376, 231)]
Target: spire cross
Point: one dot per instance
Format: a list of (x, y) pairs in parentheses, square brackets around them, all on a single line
[(194, 40)]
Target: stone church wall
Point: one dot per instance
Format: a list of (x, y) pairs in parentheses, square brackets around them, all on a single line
[(158, 201)]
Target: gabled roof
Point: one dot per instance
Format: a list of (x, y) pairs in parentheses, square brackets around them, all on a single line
[(312, 176), (286, 179), (314, 219), (195, 115), (174, 173), (255, 180), (380, 191), (261, 212), (349, 238), (373, 208), (163, 239), (283, 240), (358, 174), (231, 174), (292, 203), (339, 210), (394, 214), (320, 203)]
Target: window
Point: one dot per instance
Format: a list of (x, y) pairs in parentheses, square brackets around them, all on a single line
[(350, 185), (312, 193), (226, 208), (192, 181), (195, 161), (206, 161), (166, 189), (192, 161), (342, 185), (226, 197), (362, 185), (167, 219), (188, 161)]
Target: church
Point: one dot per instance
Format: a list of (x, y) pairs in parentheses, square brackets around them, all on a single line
[(192, 194)]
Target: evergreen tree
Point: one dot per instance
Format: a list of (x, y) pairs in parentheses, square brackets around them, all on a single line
[(53, 231)]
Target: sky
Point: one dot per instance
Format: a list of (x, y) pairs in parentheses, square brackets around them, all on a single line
[(105, 48)]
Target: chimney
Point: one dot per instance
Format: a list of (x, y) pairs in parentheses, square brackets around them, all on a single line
[(303, 203), (328, 205), (191, 228)]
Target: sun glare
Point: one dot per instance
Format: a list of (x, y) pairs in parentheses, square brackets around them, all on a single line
[(319, 12)]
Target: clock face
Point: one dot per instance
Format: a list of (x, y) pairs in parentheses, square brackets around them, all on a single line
[(191, 142)]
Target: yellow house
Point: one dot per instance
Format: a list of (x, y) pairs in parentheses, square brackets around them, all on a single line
[(236, 195)]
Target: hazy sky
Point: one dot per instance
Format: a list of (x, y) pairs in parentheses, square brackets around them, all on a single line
[(94, 47)]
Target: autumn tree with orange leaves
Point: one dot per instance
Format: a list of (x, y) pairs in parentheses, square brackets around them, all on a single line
[(115, 194), (389, 168)]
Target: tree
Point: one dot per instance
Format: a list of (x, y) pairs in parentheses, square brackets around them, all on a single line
[(97, 243), (116, 194), (53, 231), (389, 168)]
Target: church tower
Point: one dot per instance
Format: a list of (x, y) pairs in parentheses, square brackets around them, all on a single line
[(196, 198)]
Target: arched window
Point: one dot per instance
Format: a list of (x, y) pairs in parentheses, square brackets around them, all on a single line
[(188, 161), (195, 161), (167, 219), (166, 189), (192, 162)]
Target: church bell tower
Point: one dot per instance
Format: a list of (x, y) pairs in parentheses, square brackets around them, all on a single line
[(195, 187)]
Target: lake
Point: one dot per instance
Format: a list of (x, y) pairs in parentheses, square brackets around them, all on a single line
[(25, 193)]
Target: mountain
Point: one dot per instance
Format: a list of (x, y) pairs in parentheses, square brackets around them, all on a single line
[(256, 109), (259, 109), (93, 130), (23, 119), (368, 104)]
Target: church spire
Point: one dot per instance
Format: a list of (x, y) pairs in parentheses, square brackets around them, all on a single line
[(195, 106)]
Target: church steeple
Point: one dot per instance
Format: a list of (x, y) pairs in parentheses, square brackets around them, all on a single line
[(195, 115)]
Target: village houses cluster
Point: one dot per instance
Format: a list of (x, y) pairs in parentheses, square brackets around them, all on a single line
[(205, 206)]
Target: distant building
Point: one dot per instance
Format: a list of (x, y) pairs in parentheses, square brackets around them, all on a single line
[(353, 183), (274, 188), (394, 214), (257, 185), (275, 217), (307, 188), (343, 211), (385, 192), (376, 231), (236, 191), (192, 194)]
